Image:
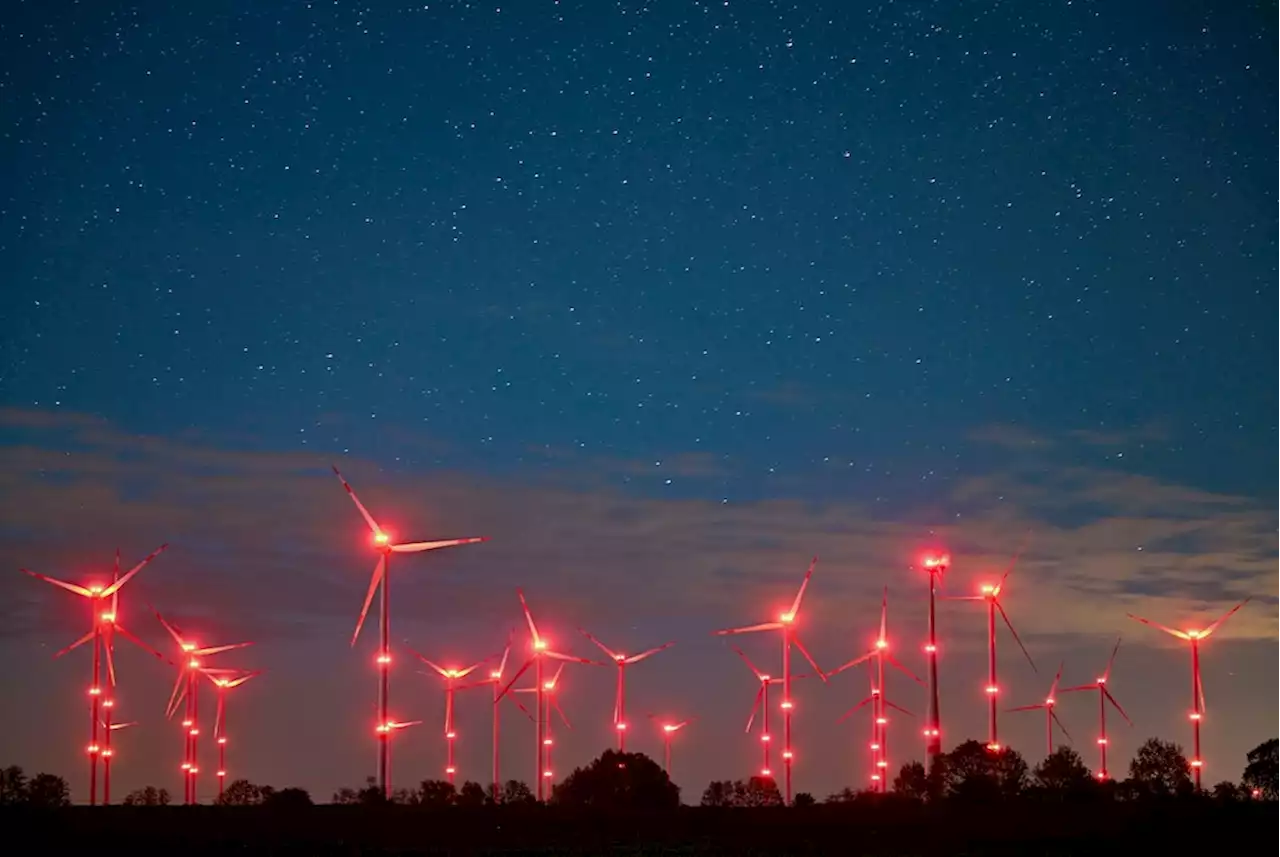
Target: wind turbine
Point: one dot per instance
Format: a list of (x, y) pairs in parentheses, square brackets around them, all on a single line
[(621, 660), (1050, 716), (1104, 697), (451, 676), (385, 547)]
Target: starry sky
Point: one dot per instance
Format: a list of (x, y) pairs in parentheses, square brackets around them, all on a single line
[(665, 298)]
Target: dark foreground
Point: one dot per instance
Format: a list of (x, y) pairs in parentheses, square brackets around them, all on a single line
[(1176, 826)]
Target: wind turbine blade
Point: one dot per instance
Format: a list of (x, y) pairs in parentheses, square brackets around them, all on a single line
[(1111, 660), (117, 585), (898, 707), (506, 653), (214, 650), (466, 671), (804, 584), (884, 614), (80, 642), (1112, 700), (1058, 720), (750, 665), (1026, 707), (108, 647), (750, 629), (132, 638), (1026, 539), (1078, 687), (520, 705), (441, 670), (515, 678), (853, 663), (843, 717), (962, 598), (236, 682), (1017, 639), (1053, 688), (573, 659), (613, 656), (635, 659), (70, 587), (528, 617), (217, 717), (755, 707), (179, 693), (1200, 693), (115, 726), (555, 703), (897, 663), (418, 547), (173, 631), (1181, 635), (373, 525), (808, 657), (1225, 616), (555, 679), (378, 571)]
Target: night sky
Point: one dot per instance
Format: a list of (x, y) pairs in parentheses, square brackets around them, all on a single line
[(665, 298)]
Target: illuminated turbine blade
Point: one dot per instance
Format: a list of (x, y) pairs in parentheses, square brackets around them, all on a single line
[(418, 547), (804, 584), (1053, 688), (555, 679), (1013, 562), (179, 693), (236, 682), (753, 667), (855, 709), (441, 670), (373, 525), (1112, 700), (897, 663), (118, 584), (515, 678), (378, 571), (560, 656), (613, 656), (755, 707), (635, 659), (131, 637), (528, 617), (213, 650), (80, 642), (108, 648), (555, 703), (808, 657), (1035, 707), (750, 629), (520, 705), (1111, 660), (502, 664), (898, 707), (1207, 631), (466, 671), (853, 663), (70, 587), (173, 631), (217, 717), (1016, 638), (1181, 635), (1058, 720)]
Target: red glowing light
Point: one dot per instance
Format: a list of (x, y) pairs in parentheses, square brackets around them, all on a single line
[(786, 754), (882, 720), (882, 644), (765, 772), (222, 773), (546, 773), (787, 704), (539, 644), (1196, 763), (764, 737), (930, 648), (451, 735), (620, 726), (988, 589), (381, 538), (991, 688), (938, 561), (222, 740), (1195, 715)]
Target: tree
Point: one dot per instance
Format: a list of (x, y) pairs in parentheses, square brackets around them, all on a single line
[(1229, 792), (718, 793), (757, 792), (1063, 773), (345, 797), (149, 796), (972, 772), (471, 794), (13, 786), (240, 793), (803, 799), (619, 781), (1261, 771), (437, 793), (912, 781), (511, 792), (48, 790), (286, 799), (1160, 768), (845, 795)]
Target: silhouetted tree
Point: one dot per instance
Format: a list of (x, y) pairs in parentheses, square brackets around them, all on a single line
[(1261, 771), (437, 793), (240, 793), (48, 790), (149, 796), (286, 798), (845, 795), (619, 780), (803, 799), (912, 781), (371, 795), (1160, 768), (1229, 792), (406, 797), (1064, 774), (757, 792), (13, 786), (345, 796), (471, 794), (718, 793), (511, 792), (972, 772)]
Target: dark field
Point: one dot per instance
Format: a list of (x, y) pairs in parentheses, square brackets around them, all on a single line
[(1143, 830)]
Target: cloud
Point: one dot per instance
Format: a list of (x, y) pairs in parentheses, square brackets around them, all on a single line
[(1008, 437)]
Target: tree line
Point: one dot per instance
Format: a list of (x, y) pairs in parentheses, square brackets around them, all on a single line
[(633, 781)]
